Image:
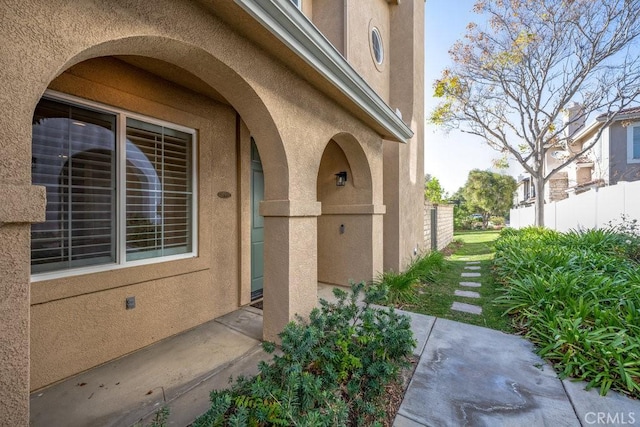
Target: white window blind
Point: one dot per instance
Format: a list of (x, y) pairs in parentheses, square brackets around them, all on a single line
[(76, 151), (73, 157), (159, 191)]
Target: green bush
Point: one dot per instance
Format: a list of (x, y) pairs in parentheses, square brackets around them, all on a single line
[(629, 232), (577, 297), (401, 286), (332, 372)]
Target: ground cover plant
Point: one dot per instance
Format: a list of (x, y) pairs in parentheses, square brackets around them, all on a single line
[(433, 293), (576, 296), (332, 370)]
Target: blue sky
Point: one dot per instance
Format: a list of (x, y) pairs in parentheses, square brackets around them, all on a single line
[(449, 157)]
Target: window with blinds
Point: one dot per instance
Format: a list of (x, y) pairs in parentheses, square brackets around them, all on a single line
[(158, 190), (113, 197)]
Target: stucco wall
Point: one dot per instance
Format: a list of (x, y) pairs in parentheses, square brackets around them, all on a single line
[(619, 169), (344, 251), (79, 322), (404, 165), (291, 121), (362, 17), (311, 128), (329, 17)]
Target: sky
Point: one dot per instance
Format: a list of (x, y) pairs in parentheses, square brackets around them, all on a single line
[(449, 157)]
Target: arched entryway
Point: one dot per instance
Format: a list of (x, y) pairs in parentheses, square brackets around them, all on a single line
[(348, 248), (170, 90)]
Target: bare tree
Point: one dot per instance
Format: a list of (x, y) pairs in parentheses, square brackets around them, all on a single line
[(511, 83)]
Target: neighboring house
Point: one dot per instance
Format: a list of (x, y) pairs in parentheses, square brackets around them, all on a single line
[(165, 163), (614, 157), (525, 193)]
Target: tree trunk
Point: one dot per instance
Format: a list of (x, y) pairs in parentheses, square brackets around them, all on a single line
[(539, 205)]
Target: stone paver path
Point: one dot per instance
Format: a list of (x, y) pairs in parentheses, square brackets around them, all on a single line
[(464, 307), (470, 274), (471, 284), (466, 294)]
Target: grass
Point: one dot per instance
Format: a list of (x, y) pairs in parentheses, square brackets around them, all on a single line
[(436, 295)]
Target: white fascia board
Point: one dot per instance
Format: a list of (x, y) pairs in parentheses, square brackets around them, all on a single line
[(585, 131), (289, 25)]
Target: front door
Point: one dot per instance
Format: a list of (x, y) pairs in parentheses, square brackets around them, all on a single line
[(257, 224)]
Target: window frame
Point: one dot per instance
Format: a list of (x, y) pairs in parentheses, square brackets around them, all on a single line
[(121, 116), (297, 3), (630, 128), (376, 36)]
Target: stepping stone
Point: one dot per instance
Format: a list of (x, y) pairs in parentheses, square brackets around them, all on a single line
[(466, 308), (473, 262), (471, 284), (470, 274), (472, 267), (467, 294)]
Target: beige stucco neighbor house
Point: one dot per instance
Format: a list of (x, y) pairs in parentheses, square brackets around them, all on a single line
[(165, 162)]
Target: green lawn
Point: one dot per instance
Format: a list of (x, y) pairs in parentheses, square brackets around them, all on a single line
[(436, 298)]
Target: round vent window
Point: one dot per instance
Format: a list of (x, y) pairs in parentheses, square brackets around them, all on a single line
[(376, 45)]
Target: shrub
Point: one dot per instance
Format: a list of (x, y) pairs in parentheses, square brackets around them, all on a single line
[(497, 221), (577, 297), (332, 372), (629, 231), (425, 267), (401, 286)]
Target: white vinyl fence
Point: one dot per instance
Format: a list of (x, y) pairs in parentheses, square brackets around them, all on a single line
[(592, 209)]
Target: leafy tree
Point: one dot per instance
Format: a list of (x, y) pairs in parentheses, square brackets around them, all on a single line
[(489, 193), (433, 191), (512, 83), (461, 213)]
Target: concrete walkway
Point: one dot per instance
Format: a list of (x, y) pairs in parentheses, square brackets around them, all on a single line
[(466, 376), (473, 376)]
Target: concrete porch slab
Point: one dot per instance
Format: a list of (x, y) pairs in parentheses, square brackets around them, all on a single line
[(247, 320), (123, 391)]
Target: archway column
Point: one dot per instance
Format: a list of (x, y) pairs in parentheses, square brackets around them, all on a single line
[(21, 205), (290, 262)]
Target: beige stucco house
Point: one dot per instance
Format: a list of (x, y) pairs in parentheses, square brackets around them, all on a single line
[(165, 162)]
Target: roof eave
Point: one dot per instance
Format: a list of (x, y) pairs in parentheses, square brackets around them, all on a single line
[(291, 27), (586, 130)]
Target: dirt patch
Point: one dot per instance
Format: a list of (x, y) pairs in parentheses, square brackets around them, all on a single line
[(395, 391)]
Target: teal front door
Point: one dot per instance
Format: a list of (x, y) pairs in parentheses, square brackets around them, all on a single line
[(257, 224)]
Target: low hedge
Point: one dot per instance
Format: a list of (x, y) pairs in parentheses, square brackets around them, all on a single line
[(332, 370), (576, 296)]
